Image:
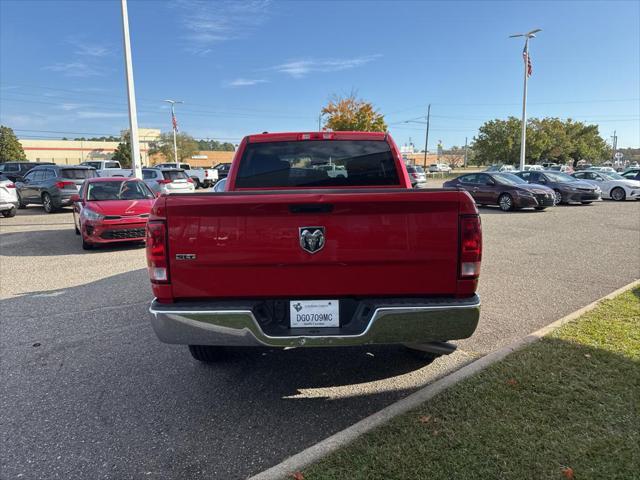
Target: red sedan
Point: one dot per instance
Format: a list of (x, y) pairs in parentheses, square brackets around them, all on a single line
[(108, 210)]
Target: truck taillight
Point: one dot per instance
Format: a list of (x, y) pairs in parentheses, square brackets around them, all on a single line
[(470, 246), (157, 252)]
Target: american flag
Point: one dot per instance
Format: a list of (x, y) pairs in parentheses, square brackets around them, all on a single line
[(527, 60), (174, 121)]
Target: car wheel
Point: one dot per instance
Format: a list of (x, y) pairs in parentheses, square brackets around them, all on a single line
[(21, 204), (618, 194), (76, 229), (540, 208), (207, 353), (505, 202), (586, 203), (47, 203), (86, 245), (557, 200), (9, 213), (425, 357)]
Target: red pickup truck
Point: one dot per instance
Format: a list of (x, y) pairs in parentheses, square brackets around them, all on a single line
[(317, 240)]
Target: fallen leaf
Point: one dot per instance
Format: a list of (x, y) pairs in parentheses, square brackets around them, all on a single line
[(587, 355), (37, 344), (436, 433), (512, 382), (424, 418), (568, 473), (297, 476)]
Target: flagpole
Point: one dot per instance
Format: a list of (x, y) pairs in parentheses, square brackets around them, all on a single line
[(523, 142)]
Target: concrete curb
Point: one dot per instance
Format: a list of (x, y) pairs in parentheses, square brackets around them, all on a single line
[(314, 453)]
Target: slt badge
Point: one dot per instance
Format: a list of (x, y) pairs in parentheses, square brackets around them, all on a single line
[(311, 238)]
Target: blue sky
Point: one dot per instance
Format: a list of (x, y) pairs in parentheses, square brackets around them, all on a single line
[(246, 67)]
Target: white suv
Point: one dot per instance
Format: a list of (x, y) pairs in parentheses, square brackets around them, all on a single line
[(439, 167), (8, 197)]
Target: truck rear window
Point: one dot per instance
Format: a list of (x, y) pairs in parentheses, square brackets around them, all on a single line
[(174, 175), (317, 163)]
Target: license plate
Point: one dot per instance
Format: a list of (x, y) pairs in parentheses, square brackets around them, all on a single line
[(314, 313)]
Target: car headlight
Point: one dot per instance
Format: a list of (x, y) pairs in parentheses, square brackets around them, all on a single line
[(90, 214)]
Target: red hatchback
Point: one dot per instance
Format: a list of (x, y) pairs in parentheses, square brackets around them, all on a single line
[(108, 210)]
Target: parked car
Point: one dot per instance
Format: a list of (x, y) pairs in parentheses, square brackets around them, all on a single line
[(102, 164), (613, 185), (500, 168), (631, 174), (108, 210), (504, 189), (567, 188), (280, 264), (202, 177), (602, 169), (167, 180), (52, 186), (223, 170), (417, 176), (439, 168), (533, 167), (8, 197), (568, 169), (15, 171)]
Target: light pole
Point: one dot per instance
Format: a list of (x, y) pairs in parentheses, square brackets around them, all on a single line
[(527, 73), (174, 125), (133, 115)]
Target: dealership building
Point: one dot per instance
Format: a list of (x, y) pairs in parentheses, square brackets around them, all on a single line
[(71, 152)]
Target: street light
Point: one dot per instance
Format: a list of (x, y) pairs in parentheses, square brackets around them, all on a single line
[(131, 93), (174, 125), (527, 72)]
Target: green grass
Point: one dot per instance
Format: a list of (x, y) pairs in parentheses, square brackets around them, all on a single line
[(571, 400)]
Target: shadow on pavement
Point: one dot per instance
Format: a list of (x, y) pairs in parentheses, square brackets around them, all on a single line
[(53, 242)]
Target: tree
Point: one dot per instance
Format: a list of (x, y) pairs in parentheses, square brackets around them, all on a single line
[(353, 114), (214, 145), (187, 146), (548, 139), (123, 152), (10, 147)]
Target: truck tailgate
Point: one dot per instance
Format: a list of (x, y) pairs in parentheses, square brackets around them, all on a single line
[(386, 242)]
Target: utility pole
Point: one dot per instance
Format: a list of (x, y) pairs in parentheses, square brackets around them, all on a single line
[(465, 152), (527, 63), (131, 93), (426, 138), (174, 125), (614, 144)]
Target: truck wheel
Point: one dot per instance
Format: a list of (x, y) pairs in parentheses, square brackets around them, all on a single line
[(9, 213), (207, 353), (425, 357)]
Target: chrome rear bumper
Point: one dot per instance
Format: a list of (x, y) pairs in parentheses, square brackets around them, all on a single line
[(192, 323)]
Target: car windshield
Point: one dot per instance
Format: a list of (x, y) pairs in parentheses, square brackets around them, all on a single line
[(508, 179), (77, 173), (559, 177), (294, 164), (613, 176), (118, 190)]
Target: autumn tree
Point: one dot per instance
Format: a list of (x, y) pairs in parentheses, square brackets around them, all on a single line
[(187, 146), (10, 147), (353, 114)]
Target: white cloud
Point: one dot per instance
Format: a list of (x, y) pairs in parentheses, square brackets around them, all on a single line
[(245, 82), (68, 107), (91, 50), (301, 68), (98, 114), (75, 69), (207, 23)]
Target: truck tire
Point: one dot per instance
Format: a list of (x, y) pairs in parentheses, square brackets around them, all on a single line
[(207, 353)]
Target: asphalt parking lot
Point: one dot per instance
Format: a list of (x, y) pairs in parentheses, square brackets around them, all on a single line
[(87, 391)]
